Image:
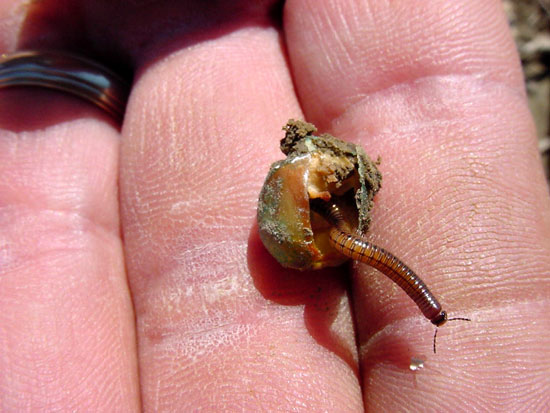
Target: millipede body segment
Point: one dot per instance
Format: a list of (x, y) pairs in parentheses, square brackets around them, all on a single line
[(357, 248)]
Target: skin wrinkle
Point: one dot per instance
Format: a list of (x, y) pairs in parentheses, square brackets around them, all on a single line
[(60, 197), (486, 331), (485, 234), (58, 232), (208, 280), (430, 61), (415, 115), (525, 270), (272, 390)]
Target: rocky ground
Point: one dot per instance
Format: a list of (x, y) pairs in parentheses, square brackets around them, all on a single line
[(530, 25)]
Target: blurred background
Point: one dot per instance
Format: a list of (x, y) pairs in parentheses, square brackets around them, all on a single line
[(530, 25)]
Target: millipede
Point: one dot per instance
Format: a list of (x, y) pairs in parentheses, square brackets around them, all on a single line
[(320, 174), (357, 248)]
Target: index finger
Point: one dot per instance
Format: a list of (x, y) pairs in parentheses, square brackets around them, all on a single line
[(435, 89)]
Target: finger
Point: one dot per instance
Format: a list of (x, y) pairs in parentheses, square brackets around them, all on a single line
[(66, 317), (435, 89), (66, 321), (220, 325)]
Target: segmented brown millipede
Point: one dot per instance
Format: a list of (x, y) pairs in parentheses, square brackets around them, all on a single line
[(357, 248)]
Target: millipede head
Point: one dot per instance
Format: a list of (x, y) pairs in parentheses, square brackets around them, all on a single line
[(440, 319)]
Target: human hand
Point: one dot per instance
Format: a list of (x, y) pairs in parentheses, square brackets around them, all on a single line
[(159, 294)]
